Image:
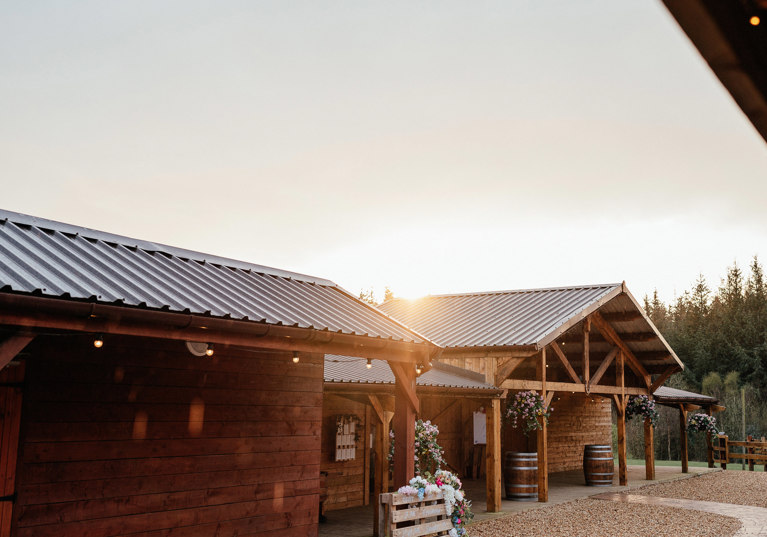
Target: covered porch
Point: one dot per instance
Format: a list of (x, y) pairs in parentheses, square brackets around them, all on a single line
[(563, 487)]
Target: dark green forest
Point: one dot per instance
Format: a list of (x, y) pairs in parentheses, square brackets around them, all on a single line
[(720, 334)]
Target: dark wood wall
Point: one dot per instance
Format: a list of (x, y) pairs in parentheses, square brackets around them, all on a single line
[(142, 437)]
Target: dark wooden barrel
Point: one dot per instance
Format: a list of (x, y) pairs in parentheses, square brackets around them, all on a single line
[(520, 476), (598, 466)]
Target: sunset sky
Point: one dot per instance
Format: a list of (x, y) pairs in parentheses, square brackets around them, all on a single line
[(433, 147)]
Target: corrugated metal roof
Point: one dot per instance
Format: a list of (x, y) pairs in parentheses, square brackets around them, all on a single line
[(347, 369), (500, 318), (667, 394), (53, 259)]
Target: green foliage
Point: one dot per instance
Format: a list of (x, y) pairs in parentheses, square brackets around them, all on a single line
[(721, 336)]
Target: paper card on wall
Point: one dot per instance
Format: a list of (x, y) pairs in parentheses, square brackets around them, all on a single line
[(480, 428)]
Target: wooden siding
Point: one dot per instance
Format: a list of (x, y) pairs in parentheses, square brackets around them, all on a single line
[(346, 479), (575, 422), (143, 437)]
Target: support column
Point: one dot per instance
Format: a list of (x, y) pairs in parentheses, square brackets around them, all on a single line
[(493, 455), (683, 437), (586, 365), (404, 424), (542, 436), (710, 445), (649, 451), (621, 404)]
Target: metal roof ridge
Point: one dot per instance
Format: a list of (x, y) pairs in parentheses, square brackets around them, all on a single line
[(149, 246), (512, 291)]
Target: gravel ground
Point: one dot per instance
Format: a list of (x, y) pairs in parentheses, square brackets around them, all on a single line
[(602, 518), (741, 488)]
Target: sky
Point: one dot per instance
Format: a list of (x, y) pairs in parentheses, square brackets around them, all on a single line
[(432, 147)]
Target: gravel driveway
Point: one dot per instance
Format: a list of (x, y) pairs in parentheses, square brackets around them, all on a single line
[(598, 518)]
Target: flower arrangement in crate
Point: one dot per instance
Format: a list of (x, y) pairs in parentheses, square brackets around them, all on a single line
[(527, 409), (457, 506), (702, 423), (429, 456), (641, 405)]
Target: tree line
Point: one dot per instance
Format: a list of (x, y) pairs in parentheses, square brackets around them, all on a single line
[(721, 337)]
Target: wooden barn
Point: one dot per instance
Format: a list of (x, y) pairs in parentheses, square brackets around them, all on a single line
[(363, 391), (157, 391), (583, 348)]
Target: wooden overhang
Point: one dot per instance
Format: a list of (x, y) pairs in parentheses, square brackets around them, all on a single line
[(734, 48)]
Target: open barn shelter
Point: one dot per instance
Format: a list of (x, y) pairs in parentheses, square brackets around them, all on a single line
[(582, 348), (452, 398), (152, 390)]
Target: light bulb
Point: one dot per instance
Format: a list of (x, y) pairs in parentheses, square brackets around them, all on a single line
[(98, 342), (754, 20), (369, 364), (418, 369), (295, 357), (209, 350)]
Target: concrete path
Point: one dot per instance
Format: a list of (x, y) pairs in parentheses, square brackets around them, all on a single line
[(754, 519)]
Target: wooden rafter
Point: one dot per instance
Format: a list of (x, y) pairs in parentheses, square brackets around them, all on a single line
[(506, 369), (549, 397), (599, 373), (12, 346), (565, 362), (610, 334), (515, 384), (663, 377), (402, 380)]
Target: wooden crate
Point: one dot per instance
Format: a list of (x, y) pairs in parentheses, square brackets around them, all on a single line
[(407, 516)]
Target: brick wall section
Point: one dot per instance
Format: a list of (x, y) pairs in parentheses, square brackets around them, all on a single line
[(575, 422), (142, 437)]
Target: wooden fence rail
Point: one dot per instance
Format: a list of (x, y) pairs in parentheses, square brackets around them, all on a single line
[(751, 451)]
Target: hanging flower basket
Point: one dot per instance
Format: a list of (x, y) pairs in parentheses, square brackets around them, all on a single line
[(528, 410), (643, 406), (702, 423)]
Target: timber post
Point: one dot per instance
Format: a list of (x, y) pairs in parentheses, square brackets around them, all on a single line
[(493, 455), (542, 436), (683, 438), (649, 451), (405, 408), (620, 400), (709, 444)]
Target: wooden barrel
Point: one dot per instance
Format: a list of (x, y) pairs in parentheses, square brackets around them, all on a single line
[(598, 465), (520, 476)]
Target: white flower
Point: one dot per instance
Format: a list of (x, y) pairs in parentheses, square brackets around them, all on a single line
[(453, 533), (458, 496)]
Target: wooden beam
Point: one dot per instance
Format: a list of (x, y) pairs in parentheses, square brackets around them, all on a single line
[(649, 451), (634, 337), (609, 333), (565, 362), (507, 368), (683, 438), (402, 375), (586, 353), (381, 467), (547, 400), (622, 455), (493, 455), (602, 369), (516, 384), (404, 424), (12, 346), (50, 313), (663, 377), (519, 351), (542, 436), (377, 406)]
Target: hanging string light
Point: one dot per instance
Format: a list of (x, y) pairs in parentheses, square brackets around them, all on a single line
[(99, 341), (209, 350), (295, 357), (369, 364), (418, 369), (754, 20)]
